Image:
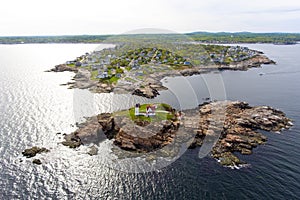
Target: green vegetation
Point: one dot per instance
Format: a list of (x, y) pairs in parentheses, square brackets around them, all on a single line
[(143, 56), (246, 37), (94, 74), (53, 39), (163, 112), (113, 80), (71, 65), (107, 65), (222, 37)]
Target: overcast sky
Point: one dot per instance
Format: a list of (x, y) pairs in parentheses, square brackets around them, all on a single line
[(65, 17)]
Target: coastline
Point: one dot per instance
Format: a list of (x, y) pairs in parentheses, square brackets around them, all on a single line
[(232, 138), (151, 84), (237, 132)]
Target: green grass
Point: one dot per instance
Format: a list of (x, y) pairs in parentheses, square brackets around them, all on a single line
[(94, 75), (163, 112), (71, 65), (113, 79), (130, 80)]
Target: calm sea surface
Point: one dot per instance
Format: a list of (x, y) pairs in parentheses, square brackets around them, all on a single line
[(34, 107)]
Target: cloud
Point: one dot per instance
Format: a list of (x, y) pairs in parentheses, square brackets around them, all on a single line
[(35, 17)]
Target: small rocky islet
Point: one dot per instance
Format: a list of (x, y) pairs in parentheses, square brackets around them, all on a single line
[(236, 125), (33, 151)]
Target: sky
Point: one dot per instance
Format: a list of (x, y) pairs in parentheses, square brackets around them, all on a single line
[(97, 17)]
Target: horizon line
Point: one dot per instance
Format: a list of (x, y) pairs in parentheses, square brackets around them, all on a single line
[(170, 33)]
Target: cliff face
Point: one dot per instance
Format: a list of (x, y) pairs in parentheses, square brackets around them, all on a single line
[(233, 125)]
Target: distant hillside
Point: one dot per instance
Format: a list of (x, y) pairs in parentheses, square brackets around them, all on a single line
[(246, 37), (53, 39), (221, 37)]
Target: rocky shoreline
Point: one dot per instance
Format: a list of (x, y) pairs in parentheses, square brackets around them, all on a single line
[(233, 125), (240, 130), (151, 85)]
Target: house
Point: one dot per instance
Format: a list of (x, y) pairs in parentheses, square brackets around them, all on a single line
[(187, 63), (70, 62), (84, 64), (139, 73), (105, 74), (100, 76), (118, 75), (78, 64), (94, 67)]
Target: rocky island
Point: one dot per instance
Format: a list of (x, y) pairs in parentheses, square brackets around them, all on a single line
[(235, 126), (138, 69)]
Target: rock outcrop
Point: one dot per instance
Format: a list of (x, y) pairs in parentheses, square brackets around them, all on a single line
[(37, 161), (135, 140), (72, 140), (31, 152), (253, 62), (93, 150), (233, 125), (239, 132), (63, 68), (148, 92)]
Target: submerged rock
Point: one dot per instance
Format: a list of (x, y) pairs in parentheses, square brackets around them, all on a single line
[(31, 152), (37, 161), (93, 150)]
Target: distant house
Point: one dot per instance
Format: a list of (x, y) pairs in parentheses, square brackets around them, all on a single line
[(187, 63), (100, 76), (78, 64), (84, 64), (70, 62), (139, 73), (118, 75), (94, 67)]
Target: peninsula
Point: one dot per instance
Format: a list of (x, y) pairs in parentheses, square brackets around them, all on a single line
[(138, 68)]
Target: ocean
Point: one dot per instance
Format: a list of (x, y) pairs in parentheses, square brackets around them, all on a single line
[(34, 108)]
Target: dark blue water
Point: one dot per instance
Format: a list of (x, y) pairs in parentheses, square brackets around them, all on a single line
[(34, 107)]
